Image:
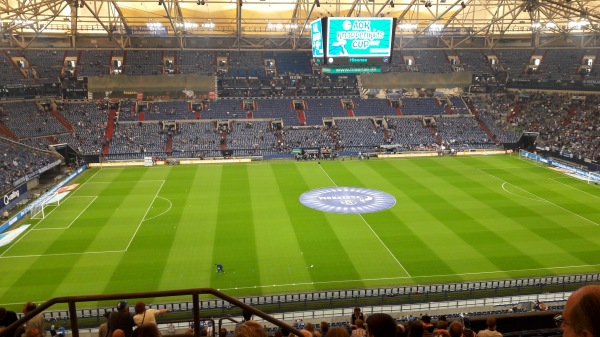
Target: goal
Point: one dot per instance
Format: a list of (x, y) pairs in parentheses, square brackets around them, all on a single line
[(44, 207)]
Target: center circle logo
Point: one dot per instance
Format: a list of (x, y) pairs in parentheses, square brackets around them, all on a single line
[(347, 200)]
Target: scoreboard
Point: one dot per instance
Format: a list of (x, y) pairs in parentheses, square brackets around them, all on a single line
[(352, 42)]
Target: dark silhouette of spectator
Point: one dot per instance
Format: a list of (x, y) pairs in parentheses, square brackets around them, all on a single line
[(381, 325), (147, 330), (415, 328), (7, 318), (121, 319)]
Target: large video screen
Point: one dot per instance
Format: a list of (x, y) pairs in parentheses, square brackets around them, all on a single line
[(359, 41), (316, 37)]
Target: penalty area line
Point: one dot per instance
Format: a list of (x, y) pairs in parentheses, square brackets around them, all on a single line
[(409, 277)]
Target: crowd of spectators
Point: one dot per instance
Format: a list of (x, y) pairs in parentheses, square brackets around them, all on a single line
[(19, 160)]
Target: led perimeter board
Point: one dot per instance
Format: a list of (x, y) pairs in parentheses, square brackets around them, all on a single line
[(359, 41), (317, 39)]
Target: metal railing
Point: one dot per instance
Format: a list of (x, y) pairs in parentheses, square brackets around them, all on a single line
[(72, 302)]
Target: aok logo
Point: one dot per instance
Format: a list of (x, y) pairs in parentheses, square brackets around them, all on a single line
[(350, 200)]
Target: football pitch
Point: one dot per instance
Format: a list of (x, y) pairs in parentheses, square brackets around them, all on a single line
[(454, 219)]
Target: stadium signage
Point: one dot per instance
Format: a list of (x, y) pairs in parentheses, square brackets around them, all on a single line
[(351, 69), (347, 200), (13, 196)]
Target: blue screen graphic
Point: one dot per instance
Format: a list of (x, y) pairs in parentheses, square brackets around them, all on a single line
[(359, 40), (316, 36)]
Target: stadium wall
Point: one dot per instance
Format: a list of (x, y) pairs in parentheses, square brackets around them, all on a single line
[(155, 83), (415, 80)]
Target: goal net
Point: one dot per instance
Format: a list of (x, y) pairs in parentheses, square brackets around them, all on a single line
[(43, 208)]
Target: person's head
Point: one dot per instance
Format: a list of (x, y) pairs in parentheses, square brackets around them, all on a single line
[(455, 329), (250, 329), (2, 312), (247, 315), (309, 327), (415, 328), (324, 327), (491, 323), (32, 333), (337, 331), (426, 319), (223, 332), (400, 330), (146, 330), (306, 333), (580, 316), (122, 306), (29, 307), (381, 325), (443, 325), (359, 323), (140, 307), (118, 333), (357, 311)]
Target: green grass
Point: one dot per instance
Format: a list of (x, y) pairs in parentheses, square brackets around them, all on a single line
[(160, 228)]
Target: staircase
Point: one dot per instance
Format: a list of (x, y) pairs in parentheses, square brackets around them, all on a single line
[(7, 133), (63, 121), (169, 148), (110, 130), (301, 117), (481, 123)]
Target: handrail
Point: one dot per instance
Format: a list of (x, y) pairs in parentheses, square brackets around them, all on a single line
[(195, 293)]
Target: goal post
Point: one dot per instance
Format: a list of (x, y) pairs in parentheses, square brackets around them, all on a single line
[(44, 207)]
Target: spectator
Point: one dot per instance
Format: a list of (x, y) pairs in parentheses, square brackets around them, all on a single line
[(310, 328), (103, 329), (146, 316), (146, 330), (7, 318), (337, 332), (491, 329), (250, 329), (415, 328), (324, 328), (36, 322), (357, 314), (580, 316), (359, 331), (381, 325), (427, 326), (121, 320)]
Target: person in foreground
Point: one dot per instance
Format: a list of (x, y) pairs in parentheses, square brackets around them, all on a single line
[(580, 317), (381, 325)]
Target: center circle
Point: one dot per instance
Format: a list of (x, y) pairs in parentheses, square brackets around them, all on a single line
[(347, 200)]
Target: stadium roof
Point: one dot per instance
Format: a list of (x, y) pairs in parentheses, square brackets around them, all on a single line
[(280, 24)]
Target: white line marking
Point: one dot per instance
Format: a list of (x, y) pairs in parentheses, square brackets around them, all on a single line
[(575, 188), (410, 277), (144, 217), (62, 254), (77, 217), (125, 181), (550, 202), (372, 230), (156, 216), (520, 196)]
